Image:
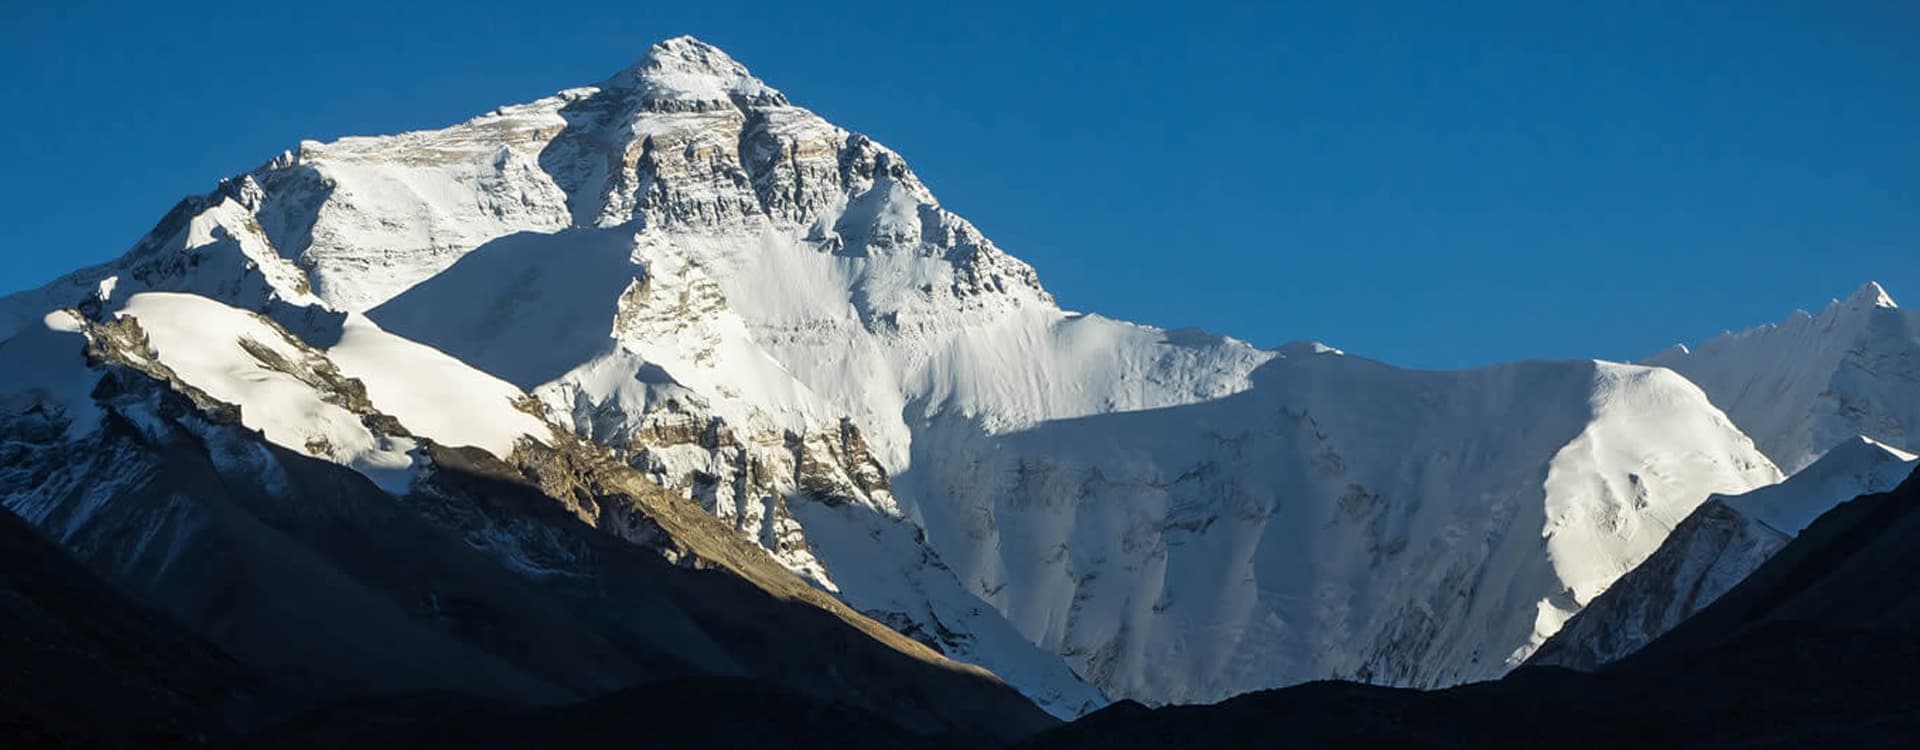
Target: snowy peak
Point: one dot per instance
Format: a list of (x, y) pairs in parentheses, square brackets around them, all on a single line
[(684, 73), (1857, 453), (1870, 294), (771, 316), (686, 143), (1809, 382)]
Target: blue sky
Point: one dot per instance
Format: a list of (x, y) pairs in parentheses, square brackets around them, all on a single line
[(1436, 187)]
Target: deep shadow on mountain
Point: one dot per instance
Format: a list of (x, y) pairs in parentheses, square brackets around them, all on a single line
[(357, 612), (82, 662), (1820, 647), (526, 307), (706, 712), (1813, 650), (765, 620)]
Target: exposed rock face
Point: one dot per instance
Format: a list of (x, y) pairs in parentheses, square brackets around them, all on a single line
[(773, 317)]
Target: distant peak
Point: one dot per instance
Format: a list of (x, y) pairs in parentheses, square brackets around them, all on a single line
[(1890, 450), (1872, 294), (686, 74), (1671, 352), (1305, 349), (1856, 453)]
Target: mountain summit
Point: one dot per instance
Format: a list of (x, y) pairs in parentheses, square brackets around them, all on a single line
[(686, 73), (1872, 294), (772, 318), (1810, 382)]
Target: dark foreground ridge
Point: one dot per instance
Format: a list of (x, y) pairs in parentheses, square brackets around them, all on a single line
[(1820, 647), (79, 659)]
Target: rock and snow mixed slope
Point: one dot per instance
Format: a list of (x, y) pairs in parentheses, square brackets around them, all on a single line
[(1723, 541), (774, 317), (1803, 385), (230, 472)]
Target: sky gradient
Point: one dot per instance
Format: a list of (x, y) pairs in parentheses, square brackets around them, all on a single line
[(1431, 187)]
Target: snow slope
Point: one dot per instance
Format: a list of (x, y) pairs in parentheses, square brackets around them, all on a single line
[(1809, 382), (435, 395), (1715, 548), (1340, 518), (44, 367), (327, 403), (243, 359), (775, 317)]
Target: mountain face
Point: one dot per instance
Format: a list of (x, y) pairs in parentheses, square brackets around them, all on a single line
[(1808, 383), (1813, 649), (242, 479), (1718, 546), (1820, 394), (712, 290)]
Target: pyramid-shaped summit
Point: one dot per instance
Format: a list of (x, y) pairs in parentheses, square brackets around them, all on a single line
[(686, 73), (1874, 295), (771, 316)]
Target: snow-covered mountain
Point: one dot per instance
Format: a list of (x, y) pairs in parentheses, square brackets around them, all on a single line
[(1805, 384), (239, 473), (1338, 518), (774, 317), (1833, 397), (1723, 541)]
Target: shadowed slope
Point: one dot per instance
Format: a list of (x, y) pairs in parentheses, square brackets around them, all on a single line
[(84, 663)]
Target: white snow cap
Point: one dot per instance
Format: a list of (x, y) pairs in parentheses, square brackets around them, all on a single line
[(686, 71), (1874, 295)]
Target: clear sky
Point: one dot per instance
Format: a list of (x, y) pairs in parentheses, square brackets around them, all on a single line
[(1435, 187)]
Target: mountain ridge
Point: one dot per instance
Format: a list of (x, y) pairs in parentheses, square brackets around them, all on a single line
[(773, 317), (1843, 372), (1714, 549)]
